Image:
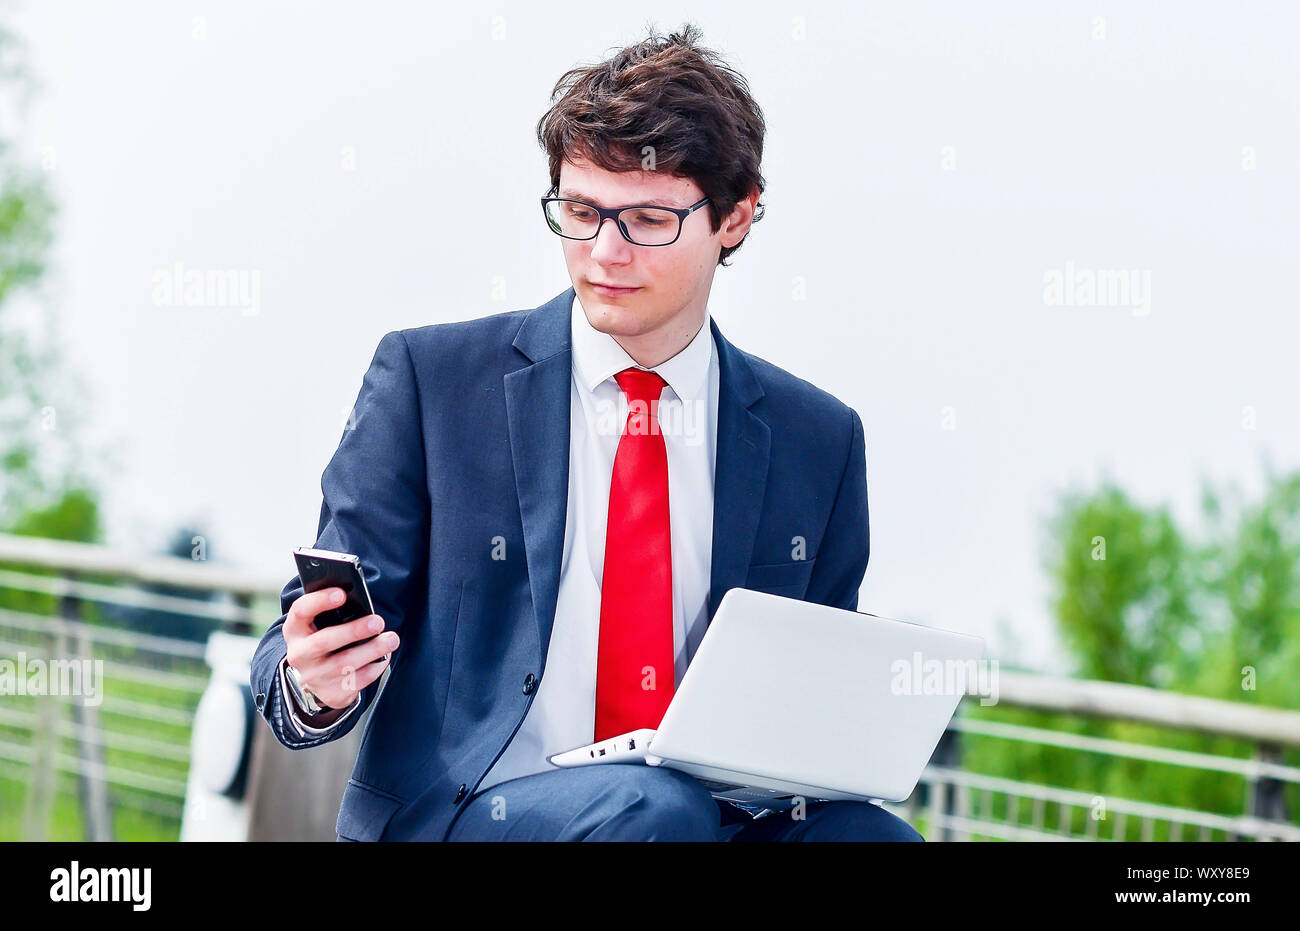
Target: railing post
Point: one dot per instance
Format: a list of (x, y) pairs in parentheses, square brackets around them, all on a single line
[(45, 747), (93, 769), (1267, 796), (244, 627), (947, 754)]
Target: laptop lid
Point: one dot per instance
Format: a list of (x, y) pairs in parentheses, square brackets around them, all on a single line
[(811, 695)]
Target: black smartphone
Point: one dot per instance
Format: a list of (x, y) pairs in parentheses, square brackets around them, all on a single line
[(325, 569)]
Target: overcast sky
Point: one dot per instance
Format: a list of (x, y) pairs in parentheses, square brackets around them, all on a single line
[(944, 179)]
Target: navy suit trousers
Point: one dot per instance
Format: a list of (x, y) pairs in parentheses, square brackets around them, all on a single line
[(631, 802)]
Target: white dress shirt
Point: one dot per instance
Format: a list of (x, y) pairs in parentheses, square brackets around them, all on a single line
[(563, 712), (562, 715)]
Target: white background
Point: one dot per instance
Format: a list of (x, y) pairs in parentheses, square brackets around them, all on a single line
[(214, 134)]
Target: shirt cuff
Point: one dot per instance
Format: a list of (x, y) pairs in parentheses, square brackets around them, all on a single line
[(291, 709)]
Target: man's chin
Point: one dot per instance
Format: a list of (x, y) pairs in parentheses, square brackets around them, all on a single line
[(614, 319), (618, 331)]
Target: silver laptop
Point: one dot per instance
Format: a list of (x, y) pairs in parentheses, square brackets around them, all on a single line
[(788, 698)]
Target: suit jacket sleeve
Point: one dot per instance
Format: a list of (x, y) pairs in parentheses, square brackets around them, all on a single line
[(375, 504), (846, 544)]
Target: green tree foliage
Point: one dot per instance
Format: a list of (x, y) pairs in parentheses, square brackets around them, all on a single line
[(1137, 599), (1252, 582), (41, 484), (1124, 583), (1214, 612)]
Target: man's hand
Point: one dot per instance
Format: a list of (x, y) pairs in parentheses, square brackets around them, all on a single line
[(335, 662)]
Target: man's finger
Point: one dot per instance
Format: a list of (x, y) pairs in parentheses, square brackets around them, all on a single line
[(303, 611), (361, 655), (328, 639), (362, 677)]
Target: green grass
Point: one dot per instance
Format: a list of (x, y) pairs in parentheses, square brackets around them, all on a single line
[(130, 821), (66, 821)]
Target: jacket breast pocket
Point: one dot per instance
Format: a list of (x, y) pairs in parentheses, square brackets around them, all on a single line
[(781, 578), (365, 812)]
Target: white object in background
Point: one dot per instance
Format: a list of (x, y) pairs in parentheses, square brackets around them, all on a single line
[(221, 745)]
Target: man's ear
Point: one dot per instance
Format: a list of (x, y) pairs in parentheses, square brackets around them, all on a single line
[(736, 225)]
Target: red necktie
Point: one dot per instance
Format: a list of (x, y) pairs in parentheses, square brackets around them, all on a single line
[(634, 664)]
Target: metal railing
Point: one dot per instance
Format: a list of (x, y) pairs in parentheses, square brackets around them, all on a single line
[(74, 766), (964, 805), (74, 762)]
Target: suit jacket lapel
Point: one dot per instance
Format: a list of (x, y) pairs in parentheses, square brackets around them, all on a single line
[(537, 405), (740, 470)]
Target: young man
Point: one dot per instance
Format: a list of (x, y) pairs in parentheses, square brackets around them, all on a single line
[(549, 504)]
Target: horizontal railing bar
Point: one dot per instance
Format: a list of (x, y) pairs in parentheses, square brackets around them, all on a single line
[(130, 708), (120, 796), (114, 774), (154, 714), (61, 587), (111, 740), (1250, 769), (175, 681), (997, 829), (1152, 706), (1265, 830), (1240, 824), (117, 636), (143, 569), (179, 681)]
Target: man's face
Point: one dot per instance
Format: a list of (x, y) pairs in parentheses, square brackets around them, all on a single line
[(671, 282)]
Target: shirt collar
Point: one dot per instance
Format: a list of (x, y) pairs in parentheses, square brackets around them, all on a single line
[(597, 357)]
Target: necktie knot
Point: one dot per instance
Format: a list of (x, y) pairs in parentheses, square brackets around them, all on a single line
[(640, 385)]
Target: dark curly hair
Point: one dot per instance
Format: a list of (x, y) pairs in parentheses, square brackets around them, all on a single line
[(670, 94)]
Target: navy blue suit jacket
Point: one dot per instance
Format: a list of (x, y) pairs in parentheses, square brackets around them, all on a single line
[(460, 440)]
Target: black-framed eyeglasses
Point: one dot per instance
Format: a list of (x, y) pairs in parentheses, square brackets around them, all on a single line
[(640, 224)]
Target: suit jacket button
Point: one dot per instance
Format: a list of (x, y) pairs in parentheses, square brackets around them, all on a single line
[(460, 793), (261, 699), (530, 683)]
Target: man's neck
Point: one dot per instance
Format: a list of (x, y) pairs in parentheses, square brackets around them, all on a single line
[(651, 349)]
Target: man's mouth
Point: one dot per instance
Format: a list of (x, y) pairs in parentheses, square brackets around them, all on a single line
[(612, 290)]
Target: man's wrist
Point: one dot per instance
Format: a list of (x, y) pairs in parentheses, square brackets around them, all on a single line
[(303, 701), (307, 702), (304, 724)]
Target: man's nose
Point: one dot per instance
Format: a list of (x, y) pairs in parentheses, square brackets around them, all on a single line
[(609, 243)]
